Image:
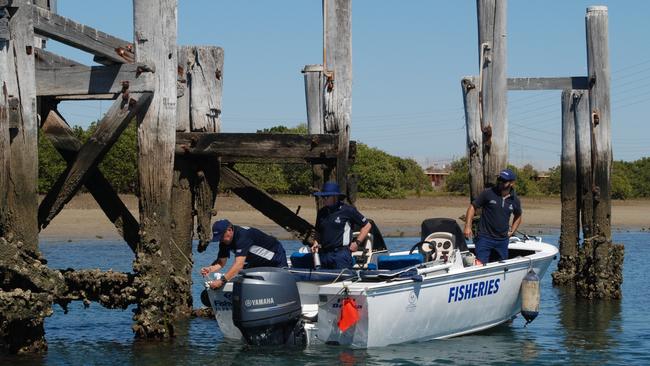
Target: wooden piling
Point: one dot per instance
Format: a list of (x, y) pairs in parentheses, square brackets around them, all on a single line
[(599, 104), (205, 81), (195, 185), (155, 45), (583, 161), (337, 48), (492, 42), (20, 98), (182, 228), (5, 152), (569, 234), (602, 274), (314, 90), (469, 86)]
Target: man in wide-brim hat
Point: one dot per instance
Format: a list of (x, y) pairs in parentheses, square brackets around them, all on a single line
[(334, 224), (498, 204)]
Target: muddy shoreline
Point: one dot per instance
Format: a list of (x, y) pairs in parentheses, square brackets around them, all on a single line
[(82, 219)]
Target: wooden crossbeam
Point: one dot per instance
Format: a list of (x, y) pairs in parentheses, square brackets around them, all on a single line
[(235, 147), (91, 154), (61, 136), (77, 81), (267, 205), (559, 83), (111, 50), (46, 59)]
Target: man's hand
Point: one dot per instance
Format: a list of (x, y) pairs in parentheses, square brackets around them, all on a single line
[(206, 270), (354, 246), (216, 284), (468, 232), (314, 247)]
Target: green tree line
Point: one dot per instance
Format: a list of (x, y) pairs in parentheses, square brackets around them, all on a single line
[(629, 179), (381, 175), (119, 166)]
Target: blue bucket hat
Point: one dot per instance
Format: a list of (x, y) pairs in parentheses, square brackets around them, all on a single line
[(218, 228), (329, 189), (507, 175)]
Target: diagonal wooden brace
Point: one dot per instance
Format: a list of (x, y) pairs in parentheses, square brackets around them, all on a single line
[(267, 205), (92, 153), (61, 136)]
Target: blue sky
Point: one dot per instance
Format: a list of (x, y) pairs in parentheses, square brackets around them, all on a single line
[(408, 59)]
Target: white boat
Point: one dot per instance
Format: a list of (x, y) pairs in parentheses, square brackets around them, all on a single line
[(446, 295)]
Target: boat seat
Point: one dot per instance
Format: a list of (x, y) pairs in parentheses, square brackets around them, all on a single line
[(301, 260), (392, 262), (444, 244)]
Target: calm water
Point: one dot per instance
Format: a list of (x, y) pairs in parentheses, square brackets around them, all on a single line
[(568, 331)]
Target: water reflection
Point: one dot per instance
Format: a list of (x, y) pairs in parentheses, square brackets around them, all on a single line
[(589, 324)]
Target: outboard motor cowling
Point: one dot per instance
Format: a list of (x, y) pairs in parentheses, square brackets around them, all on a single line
[(266, 307)]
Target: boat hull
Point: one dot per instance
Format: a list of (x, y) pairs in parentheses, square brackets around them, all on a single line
[(441, 307), (449, 302)]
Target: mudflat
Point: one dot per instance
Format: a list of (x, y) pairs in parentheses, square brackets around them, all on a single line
[(83, 219)]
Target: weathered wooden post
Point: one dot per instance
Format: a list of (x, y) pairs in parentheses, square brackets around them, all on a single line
[(602, 274), (599, 103), (337, 21), (21, 311), (206, 88), (474, 135), (20, 99), (5, 152), (583, 161), (155, 45), (314, 89), (182, 218), (569, 234), (492, 42), (196, 180)]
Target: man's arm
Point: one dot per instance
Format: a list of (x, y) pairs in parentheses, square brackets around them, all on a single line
[(516, 221), (217, 265), (363, 233), (232, 272), (469, 217)]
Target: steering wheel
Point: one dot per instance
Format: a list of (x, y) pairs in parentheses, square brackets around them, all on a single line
[(431, 253)]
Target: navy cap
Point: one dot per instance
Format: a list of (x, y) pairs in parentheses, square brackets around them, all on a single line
[(218, 228), (507, 175), (330, 189)]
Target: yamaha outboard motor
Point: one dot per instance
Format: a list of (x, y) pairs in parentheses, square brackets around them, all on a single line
[(266, 307)]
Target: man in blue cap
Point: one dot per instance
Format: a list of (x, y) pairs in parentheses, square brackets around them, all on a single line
[(334, 224), (252, 248), (498, 203)]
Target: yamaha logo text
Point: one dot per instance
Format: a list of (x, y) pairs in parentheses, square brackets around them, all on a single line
[(257, 302)]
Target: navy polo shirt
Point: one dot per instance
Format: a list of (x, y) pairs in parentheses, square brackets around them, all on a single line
[(260, 249), (334, 225), (495, 218)]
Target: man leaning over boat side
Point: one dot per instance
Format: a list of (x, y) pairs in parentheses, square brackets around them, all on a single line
[(334, 224), (498, 203), (252, 248)]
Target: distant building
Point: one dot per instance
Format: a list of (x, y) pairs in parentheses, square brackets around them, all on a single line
[(541, 176), (437, 176)]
